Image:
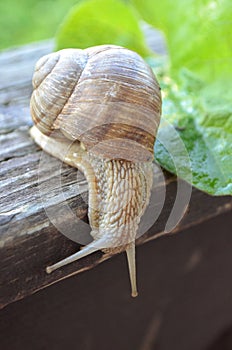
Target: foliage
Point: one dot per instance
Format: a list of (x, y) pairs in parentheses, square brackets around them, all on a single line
[(30, 20), (198, 33), (197, 86), (206, 132), (99, 22)]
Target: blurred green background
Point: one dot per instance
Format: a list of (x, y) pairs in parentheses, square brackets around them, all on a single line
[(24, 21)]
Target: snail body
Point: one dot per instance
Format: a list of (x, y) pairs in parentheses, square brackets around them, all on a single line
[(98, 109)]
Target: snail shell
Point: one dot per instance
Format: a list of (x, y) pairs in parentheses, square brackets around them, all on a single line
[(105, 103)]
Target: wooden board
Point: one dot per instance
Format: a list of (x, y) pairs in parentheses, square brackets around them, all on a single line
[(28, 239)]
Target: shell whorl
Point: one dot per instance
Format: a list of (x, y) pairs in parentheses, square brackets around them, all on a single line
[(106, 97)]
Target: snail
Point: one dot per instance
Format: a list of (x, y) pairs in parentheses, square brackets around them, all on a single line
[(105, 102)]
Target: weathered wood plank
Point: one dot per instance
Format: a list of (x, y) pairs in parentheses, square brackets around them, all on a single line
[(28, 239), (16, 68)]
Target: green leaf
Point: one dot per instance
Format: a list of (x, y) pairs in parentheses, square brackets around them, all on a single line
[(199, 103), (198, 34), (206, 132), (195, 137), (97, 22)]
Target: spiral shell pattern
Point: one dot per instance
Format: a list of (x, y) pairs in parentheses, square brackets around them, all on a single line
[(106, 96)]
